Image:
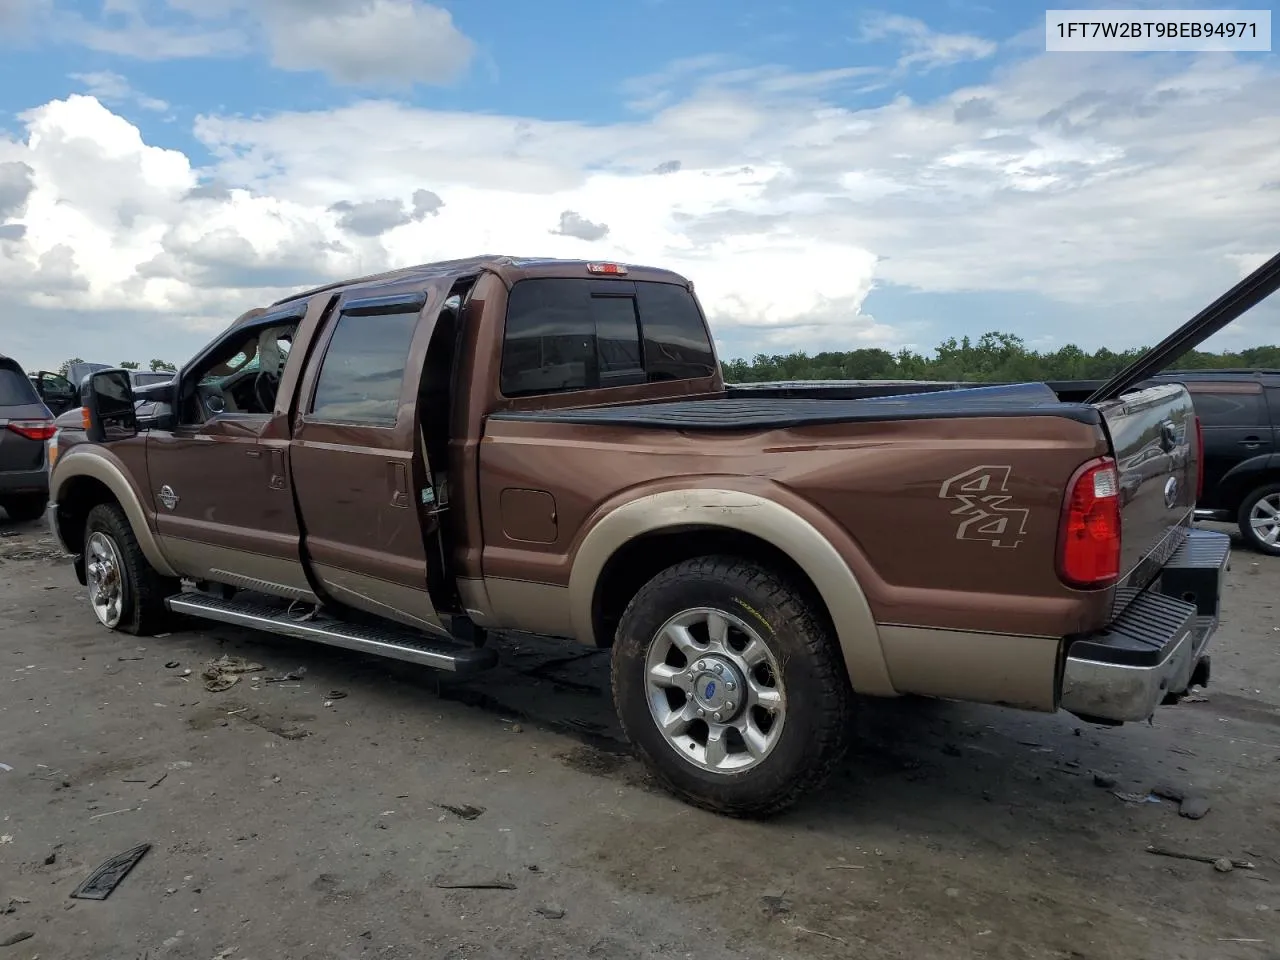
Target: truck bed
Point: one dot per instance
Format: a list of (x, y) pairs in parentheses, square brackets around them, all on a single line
[(749, 410)]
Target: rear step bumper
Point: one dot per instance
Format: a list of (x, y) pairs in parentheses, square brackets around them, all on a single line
[(385, 641), (1151, 651)]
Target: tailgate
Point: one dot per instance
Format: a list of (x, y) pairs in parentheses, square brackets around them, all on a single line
[(1153, 439)]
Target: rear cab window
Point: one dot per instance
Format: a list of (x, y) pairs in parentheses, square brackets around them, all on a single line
[(15, 389), (581, 334)]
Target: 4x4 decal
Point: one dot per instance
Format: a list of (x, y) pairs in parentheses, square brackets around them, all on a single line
[(984, 511)]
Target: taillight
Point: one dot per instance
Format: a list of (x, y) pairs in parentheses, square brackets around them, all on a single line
[(1089, 540), (1199, 460), (40, 430)]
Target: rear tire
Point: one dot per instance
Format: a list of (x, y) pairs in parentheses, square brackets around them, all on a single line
[(730, 686), (125, 591), (1259, 519), (26, 507)]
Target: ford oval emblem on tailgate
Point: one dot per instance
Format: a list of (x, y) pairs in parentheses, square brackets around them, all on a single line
[(1171, 492)]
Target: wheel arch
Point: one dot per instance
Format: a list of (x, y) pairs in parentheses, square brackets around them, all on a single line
[(81, 482), (1247, 476), (635, 540)]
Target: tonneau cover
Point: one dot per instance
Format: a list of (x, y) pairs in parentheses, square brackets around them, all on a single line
[(1030, 399)]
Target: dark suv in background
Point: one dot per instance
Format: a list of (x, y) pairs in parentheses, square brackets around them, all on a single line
[(1239, 411), (25, 427)]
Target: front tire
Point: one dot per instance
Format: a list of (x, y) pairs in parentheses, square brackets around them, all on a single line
[(1259, 519), (730, 686), (125, 591), (26, 507)]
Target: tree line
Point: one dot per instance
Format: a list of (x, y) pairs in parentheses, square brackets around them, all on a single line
[(994, 357), (156, 365)]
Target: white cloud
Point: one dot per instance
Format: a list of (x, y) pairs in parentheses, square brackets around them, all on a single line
[(1133, 191), (923, 47), (362, 42), (112, 88)]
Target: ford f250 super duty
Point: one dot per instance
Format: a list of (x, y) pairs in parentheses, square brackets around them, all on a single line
[(405, 462)]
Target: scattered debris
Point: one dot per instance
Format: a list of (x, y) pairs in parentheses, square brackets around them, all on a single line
[(226, 954), (1193, 808), (287, 677), (1135, 797), (466, 811), (845, 866), (224, 673), (1169, 791), (1199, 858), (552, 911), (1223, 865), (172, 665), (6, 838), (99, 884), (6, 768), (447, 883), (819, 933), (1194, 695), (336, 695), (111, 813), (18, 937), (775, 906), (158, 782), (14, 903), (1239, 940), (1104, 781), (51, 859)]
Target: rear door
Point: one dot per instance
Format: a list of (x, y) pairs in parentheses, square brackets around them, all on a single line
[(356, 457), (1236, 428)]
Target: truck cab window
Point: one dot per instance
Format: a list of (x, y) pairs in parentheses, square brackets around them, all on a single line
[(363, 369), (242, 376), (568, 334)]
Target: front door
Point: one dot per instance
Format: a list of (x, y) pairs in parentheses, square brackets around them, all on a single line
[(219, 479), (357, 461), (56, 392)]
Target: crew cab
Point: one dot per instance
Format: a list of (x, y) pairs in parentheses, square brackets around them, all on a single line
[(405, 463)]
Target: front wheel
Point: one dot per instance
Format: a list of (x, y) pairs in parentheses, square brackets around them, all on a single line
[(730, 686), (125, 591), (1259, 519)]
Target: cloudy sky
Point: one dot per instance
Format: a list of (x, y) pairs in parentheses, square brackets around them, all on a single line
[(830, 176)]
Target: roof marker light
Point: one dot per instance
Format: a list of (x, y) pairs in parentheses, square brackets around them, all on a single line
[(614, 269)]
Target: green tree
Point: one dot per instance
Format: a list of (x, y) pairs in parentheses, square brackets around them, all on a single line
[(129, 365), (994, 357), (158, 365), (66, 365)]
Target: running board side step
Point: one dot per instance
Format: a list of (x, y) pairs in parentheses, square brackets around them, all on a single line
[(384, 641)]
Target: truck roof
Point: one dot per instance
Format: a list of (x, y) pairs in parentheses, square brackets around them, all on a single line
[(509, 268)]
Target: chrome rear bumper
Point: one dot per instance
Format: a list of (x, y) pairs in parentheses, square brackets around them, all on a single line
[(1151, 651)]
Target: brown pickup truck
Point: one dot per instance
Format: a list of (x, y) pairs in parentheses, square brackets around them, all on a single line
[(402, 463)]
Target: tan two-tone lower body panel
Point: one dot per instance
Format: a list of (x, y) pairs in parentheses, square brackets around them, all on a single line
[(1015, 671)]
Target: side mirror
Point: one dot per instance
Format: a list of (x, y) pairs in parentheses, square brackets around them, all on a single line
[(107, 398)]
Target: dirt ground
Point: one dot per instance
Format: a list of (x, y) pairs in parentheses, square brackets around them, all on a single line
[(306, 819)]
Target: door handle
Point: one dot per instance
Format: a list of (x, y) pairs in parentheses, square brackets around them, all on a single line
[(277, 470), (398, 481), (1251, 442), (255, 454)]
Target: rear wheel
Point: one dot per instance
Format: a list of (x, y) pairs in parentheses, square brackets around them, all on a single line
[(125, 591), (1259, 519), (729, 685), (25, 507)]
